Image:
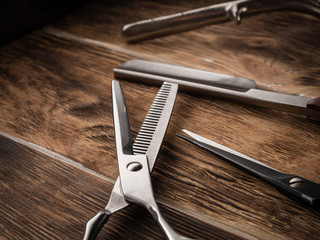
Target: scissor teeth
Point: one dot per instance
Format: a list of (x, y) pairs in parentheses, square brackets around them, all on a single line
[(155, 107), (158, 104), (141, 147), (156, 110), (152, 117), (155, 115), (140, 144), (162, 94), (148, 128), (160, 101), (147, 135), (164, 91), (161, 97), (152, 121), (167, 88), (166, 84), (139, 152), (150, 124), (146, 131), (144, 135), (143, 139)]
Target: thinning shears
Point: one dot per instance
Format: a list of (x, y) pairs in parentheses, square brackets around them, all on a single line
[(136, 160), (297, 188)]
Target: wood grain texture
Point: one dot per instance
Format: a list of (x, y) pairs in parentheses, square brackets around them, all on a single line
[(278, 50), (45, 198), (55, 92), (70, 123)]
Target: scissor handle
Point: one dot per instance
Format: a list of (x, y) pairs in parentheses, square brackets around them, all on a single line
[(301, 190), (233, 10), (95, 224)]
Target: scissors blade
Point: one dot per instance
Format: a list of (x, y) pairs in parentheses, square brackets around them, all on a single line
[(297, 188), (121, 121), (248, 164), (117, 200), (153, 129)]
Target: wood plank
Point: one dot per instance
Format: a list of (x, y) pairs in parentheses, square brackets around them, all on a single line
[(45, 198), (278, 50), (56, 93)]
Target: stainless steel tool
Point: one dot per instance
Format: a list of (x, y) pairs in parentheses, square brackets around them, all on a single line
[(295, 187), (137, 160), (180, 22), (217, 85)]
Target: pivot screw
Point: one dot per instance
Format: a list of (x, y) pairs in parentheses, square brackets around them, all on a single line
[(134, 166), (296, 182)]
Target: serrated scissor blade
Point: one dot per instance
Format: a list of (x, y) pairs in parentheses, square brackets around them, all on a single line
[(148, 142), (152, 131)]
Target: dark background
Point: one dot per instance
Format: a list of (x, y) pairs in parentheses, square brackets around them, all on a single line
[(18, 17)]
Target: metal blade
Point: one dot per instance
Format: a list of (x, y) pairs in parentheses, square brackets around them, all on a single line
[(120, 121), (297, 188), (154, 127), (135, 71), (248, 164), (186, 74), (152, 131)]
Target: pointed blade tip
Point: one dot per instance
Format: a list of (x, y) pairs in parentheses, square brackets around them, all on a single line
[(121, 120)]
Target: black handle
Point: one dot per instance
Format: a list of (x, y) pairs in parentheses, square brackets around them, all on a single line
[(301, 190)]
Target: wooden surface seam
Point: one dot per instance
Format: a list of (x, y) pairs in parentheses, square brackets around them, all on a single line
[(59, 157), (43, 165), (56, 156)]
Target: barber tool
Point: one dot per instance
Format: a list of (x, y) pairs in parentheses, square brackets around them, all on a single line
[(136, 160), (217, 85), (295, 187), (180, 22)]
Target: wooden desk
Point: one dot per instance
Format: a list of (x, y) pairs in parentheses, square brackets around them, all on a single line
[(58, 158)]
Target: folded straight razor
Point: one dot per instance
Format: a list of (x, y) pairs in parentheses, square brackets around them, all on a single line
[(215, 84)]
